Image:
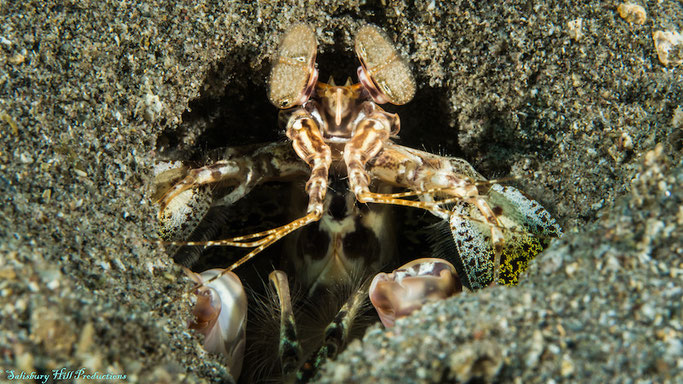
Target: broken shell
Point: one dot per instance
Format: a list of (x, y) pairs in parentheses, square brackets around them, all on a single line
[(221, 316), (408, 288), (383, 72), (669, 47), (633, 13), (294, 75)]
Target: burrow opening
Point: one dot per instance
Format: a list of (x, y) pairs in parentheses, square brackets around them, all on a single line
[(241, 114)]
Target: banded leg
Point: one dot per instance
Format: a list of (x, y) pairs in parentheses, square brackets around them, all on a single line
[(433, 175), (289, 348), (336, 334), (371, 134), (309, 145), (483, 217), (242, 169)]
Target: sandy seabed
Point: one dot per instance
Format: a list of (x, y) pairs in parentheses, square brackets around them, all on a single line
[(90, 91)]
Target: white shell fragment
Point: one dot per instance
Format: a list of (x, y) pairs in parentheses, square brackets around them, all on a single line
[(575, 29), (383, 71), (669, 47), (633, 13), (221, 316), (294, 75), (408, 288)]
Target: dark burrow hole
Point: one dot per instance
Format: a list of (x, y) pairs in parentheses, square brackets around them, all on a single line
[(242, 115)]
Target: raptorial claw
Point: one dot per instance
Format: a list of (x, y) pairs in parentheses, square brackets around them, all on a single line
[(341, 147), (221, 316), (528, 228), (180, 215), (408, 288)]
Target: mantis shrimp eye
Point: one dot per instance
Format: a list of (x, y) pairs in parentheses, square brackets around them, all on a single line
[(408, 288), (293, 77), (221, 316), (383, 72)]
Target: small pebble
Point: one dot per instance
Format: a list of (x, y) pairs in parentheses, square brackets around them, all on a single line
[(574, 28), (669, 47), (632, 13), (17, 59)]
